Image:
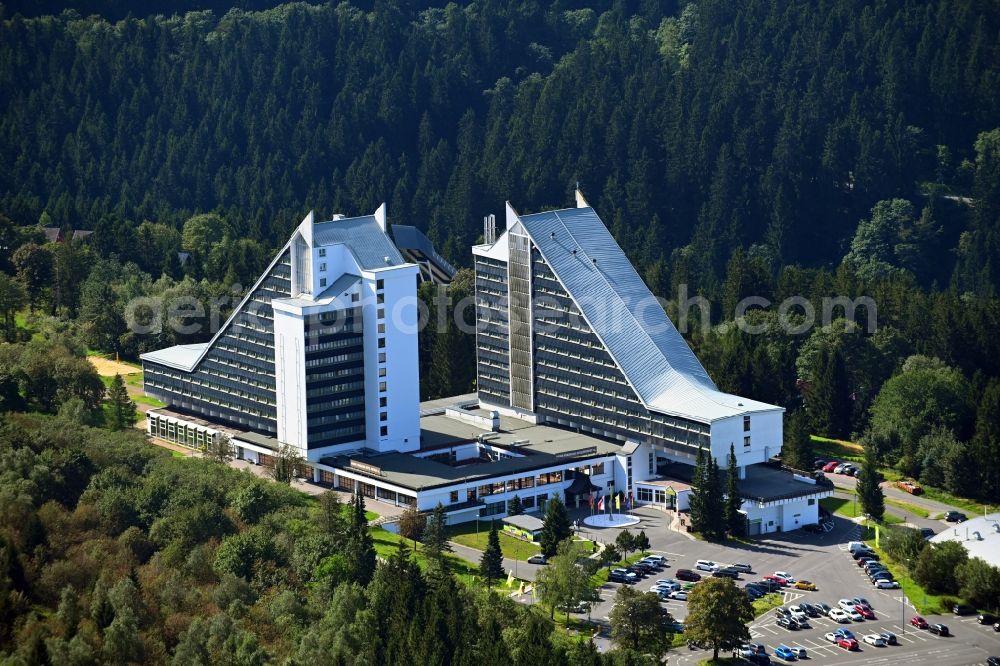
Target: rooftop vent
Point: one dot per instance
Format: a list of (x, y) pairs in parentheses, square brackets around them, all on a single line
[(387, 259), (594, 260), (574, 251), (337, 216), (552, 235)]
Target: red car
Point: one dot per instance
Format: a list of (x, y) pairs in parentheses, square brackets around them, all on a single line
[(918, 622), (865, 611), (847, 643), (687, 574), (830, 466), (777, 579)]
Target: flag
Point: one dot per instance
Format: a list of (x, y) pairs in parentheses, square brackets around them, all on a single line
[(876, 535), (590, 501), (628, 502), (618, 502), (600, 504)]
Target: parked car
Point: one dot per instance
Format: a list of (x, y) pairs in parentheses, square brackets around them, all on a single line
[(809, 610), (888, 637), (987, 618), (911, 487), (830, 466), (939, 629), (781, 611), (784, 652), (855, 615), (838, 615), (847, 643), (955, 517), (537, 558), (865, 612), (769, 585), (679, 595), (741, 567), (659, 559), (992, 661), (754, 593), (844, 633), (726, 573), (875, 640), (881, 575), (706, 565), (777, 579), (787, 623), (862, 601), (754, 648), (805, 585), (858, 554), (799, 651), (885, 584), (822, 608), (839, 469), (622, 576), (798, 615), (687, 574), (846, 604), (996, 626), (918, 622), (963, 609)]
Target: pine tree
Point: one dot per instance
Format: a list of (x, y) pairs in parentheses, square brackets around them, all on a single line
[(829, 401), (436, 537), (491, 564), (714, 502), (696, 501), (869, 490), (735, 521), (122, 409), (796, 451), (514, 507), (555, 527), (360, 547)]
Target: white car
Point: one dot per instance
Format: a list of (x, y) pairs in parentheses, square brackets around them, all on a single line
[(832, 637), (847, 604), (887, 585), (706, 565), (665, 587), (659, 559), (679, 595), (874, 639), (798, 615), (855, 616), (838, 615), (786, 576), (799, 651)]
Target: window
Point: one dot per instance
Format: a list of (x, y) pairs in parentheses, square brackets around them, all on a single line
[(746, 424), (381, 357), (383, 431), (381, 386), (811, 502), (383, 401), (322, 282), (383, 416), (381, 313), (355, 297), (381, 372), (322, 267), (322, 252), (381, 343), (381, 329), (453, 496), (652, 463), (380, 284), (380, 298), (746, 441), (597, 469)]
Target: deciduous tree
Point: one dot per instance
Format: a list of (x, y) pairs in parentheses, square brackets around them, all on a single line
[(718, 614)]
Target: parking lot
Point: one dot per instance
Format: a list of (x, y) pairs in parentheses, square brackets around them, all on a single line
[(824, 560)]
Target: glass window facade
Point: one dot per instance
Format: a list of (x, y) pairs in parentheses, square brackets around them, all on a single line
[(234, 382), (492, 344), (335, 377)]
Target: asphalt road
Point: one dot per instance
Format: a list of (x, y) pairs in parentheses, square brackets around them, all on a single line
[(824, 560)]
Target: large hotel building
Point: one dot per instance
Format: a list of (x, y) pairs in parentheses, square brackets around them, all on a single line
[(584, 386)]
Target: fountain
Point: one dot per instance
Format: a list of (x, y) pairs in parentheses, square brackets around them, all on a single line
[(611, 520)]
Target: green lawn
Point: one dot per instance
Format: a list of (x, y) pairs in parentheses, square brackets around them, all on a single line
[(386, 545), (767, 602), (906, 506), (944, 497), (848, 508), (466, 534)]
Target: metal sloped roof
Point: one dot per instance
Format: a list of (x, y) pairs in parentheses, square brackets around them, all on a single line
[(410, 238), (624, 314), (363, 237)]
